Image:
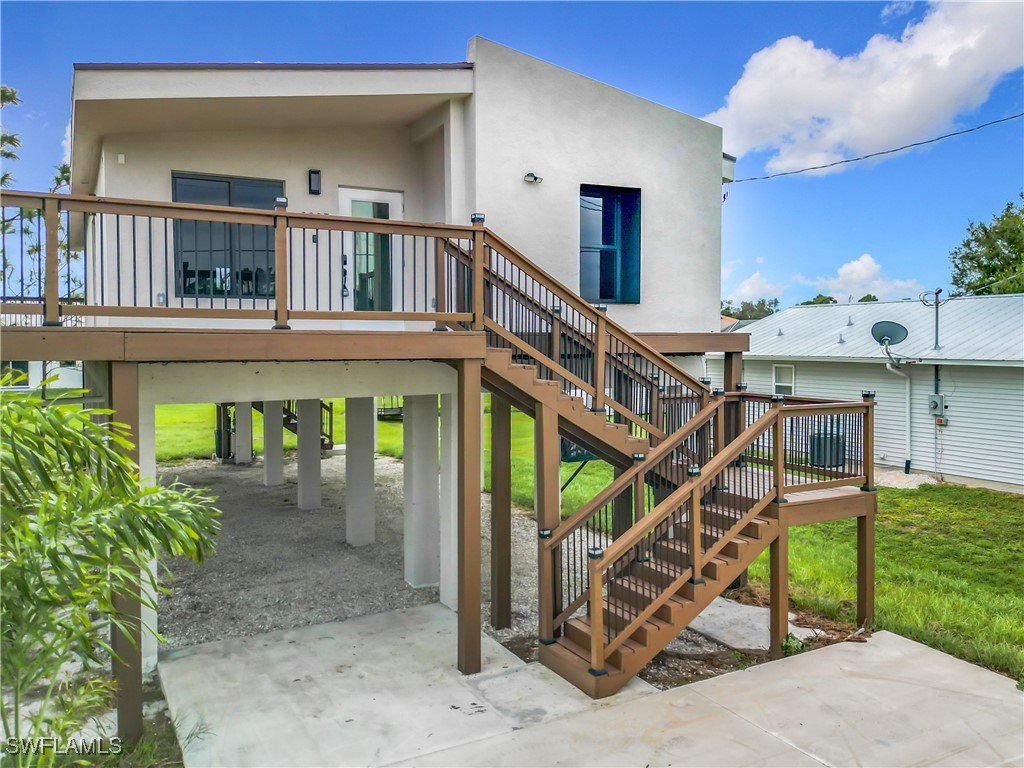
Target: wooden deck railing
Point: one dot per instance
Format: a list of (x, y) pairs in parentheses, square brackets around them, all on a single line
[(699, 481)]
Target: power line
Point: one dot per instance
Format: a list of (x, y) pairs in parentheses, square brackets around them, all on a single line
[(884, 152)]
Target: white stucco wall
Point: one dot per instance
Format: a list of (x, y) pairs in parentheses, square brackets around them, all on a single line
[(530, 116), (985, 408)]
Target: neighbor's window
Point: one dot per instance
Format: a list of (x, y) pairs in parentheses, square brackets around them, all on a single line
[(609, 244), (784, 379), (218, 259), (16, 368)]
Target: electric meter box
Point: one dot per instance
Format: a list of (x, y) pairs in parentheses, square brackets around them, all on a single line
[(936, 405)]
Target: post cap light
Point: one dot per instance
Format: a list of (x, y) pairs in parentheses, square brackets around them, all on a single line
[(532, 178), (476, 218), (314, 181), (717, 392), (868, 394), (693, 471), (544, 533), (280, 202), (705, 382), (741, 387), (594, 553), (639, 457), (778, 398)]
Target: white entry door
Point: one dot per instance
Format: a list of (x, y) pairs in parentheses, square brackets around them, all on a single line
[(372, 262)]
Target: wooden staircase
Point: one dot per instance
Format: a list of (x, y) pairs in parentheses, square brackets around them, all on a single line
[(699, 473), (570, 654), (290, 421)]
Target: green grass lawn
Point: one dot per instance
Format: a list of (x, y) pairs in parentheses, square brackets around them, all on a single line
[(950, 560), (949, 566)]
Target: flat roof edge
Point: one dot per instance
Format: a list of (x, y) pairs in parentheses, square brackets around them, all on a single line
[(110, 66)]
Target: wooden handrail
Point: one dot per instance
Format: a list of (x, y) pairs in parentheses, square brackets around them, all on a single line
[(640, 529), (583, 307), (628, 476)]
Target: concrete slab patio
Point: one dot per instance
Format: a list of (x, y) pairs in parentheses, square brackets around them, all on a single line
[(383, 690)]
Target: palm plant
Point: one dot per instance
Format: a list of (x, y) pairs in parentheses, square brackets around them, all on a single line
[(77, 528)]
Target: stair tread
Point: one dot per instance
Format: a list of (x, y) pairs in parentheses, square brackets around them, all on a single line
[(583, 654), (629, 644)]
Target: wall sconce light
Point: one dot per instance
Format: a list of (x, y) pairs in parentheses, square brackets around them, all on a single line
[(314, 182), (532, 178)]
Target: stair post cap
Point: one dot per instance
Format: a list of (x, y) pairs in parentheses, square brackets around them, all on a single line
[(778, 398), (706, 382), (717, 391), (741, 387), (280, 202), (601, 307), (639, 456), (544, 533), (477, 218), (868, 394), (594, 553), (557, 309), (693, 471)]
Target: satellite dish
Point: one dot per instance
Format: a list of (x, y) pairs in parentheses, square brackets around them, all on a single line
[(887, 333)]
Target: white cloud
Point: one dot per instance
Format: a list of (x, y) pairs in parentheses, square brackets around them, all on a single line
[(65, 144), (729, 267), (860, 277), (759, 260), (897, 8), (756, 287), (812, 107)]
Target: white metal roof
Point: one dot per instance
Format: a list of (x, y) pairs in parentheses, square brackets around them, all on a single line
[(976, 330)]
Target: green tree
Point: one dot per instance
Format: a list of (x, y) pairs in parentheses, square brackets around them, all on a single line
[(751, 310), (821, 298), (76, 528), (867, 297), (9, 142), (991, 258)]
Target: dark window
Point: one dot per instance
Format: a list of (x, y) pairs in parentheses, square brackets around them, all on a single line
[(609, 244), (218, 259), (372, 260)]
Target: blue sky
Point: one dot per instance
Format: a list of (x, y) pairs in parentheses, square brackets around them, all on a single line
[(792, 83)]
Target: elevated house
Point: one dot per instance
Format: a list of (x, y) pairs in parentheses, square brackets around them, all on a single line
[(255, 234), (950, 398)]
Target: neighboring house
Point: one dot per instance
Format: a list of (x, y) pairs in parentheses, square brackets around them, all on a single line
[(827, 350)]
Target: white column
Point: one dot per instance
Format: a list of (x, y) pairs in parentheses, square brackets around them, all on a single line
[(243, 433), (422, 537), (146, 440), (308, 413), (448, 502), (273, 442), (360, 500)]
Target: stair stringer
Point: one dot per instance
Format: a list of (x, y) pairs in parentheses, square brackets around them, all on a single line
[(589, 429), (571, 660)]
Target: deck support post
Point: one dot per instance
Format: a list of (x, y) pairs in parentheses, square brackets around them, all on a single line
[(547, 457), (779, 586), (866, 567), (360, 501), (145, 440), (307, 413), (501, 512), (273, 442), (468, 554), (243, 432), (421, 473), (448, 591), (127, 644)]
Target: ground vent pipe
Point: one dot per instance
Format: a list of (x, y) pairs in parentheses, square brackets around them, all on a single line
[(906, 438)]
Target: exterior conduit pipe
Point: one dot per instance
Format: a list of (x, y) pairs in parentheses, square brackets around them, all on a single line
[(906, 439)]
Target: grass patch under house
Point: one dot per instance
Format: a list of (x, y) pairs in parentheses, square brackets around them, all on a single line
[(949, 559)]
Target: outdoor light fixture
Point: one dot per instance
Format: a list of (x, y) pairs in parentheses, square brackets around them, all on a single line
[(314, 181), (476, 218), (532, 178), (280, 202)]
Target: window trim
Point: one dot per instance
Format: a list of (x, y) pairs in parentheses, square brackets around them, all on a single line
[(618, 195), (775, 378)]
